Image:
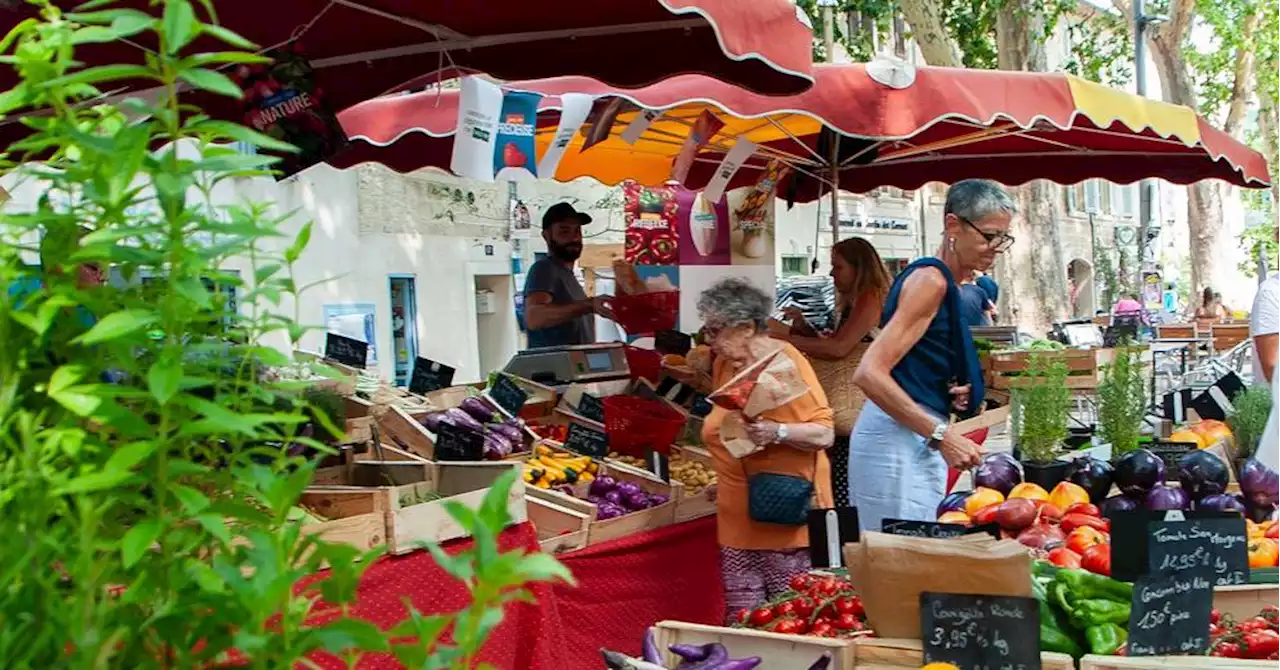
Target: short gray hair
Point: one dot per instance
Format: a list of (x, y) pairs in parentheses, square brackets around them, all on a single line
[(733, 302), (976, 199)]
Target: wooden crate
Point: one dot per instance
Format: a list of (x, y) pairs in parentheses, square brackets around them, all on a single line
[(1245, 600), (405, 430), (873, 653), (793, 652), (690, 505), (603, 530), (559, 528), (1084, 366), (1092, 662), (542, 399), (409, 526)]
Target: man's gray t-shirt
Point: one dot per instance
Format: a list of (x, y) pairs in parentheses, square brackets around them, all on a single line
[(548, 276)]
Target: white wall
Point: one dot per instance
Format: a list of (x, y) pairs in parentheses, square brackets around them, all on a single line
[(804, 224)]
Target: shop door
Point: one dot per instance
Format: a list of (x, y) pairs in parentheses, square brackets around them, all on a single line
[(404, 335)]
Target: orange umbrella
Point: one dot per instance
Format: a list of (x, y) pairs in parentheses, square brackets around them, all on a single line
[(899, 126)]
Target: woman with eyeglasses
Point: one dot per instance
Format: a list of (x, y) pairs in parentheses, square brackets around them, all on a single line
[(923, 367)]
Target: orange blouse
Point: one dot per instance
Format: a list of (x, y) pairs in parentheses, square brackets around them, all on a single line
[(734, 525)]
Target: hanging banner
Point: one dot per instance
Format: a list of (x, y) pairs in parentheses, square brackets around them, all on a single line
[(650, 214), (573, 113), (704, 229), (282, 100), (639, 124), (753, 205), (728, 167), (473, 144), (603, 114), (515, 159), (704, 129)]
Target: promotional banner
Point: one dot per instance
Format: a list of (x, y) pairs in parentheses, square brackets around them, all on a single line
[(603, 114), (514, 158), (733, 160), (576, 108), (495, 135), (650, 215), (639, 124), (282, 100), (704, 129), (704, 229)]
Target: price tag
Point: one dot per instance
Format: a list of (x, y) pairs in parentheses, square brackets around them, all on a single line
[(458, 444), (1217, 545), (428, 376), (508, 395), (1170, 613), (1171, 453), (346, 350), (934, 530), (586, 441), (980, 632), (590, 407)]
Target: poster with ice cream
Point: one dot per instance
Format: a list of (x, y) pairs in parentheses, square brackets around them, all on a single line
[(704, 229)]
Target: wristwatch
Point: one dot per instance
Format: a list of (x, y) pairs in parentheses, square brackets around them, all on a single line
[(782, 433), (939, 432)]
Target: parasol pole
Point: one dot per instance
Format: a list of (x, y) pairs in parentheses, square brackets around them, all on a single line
[(834, 162)]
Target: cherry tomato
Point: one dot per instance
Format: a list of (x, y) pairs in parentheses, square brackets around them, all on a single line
[(803, 607), (787, 627), (743, 616), (847, 621), (800, 583), (1227, 650), (828, 586), (1215, 615), (849, 605), (802, 626), (1251, 625), (821, 621), (785, 609), (761, 616), (821, 629)]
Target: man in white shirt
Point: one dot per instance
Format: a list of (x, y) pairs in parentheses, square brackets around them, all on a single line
[(1264, 328)]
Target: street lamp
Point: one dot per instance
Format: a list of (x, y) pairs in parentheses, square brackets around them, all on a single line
[(1141, 20)]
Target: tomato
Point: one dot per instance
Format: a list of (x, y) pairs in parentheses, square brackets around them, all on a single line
[(1215, 615), (1050, 512), (985, 515), (803, 607), (847, 621), (1263, 553), (1261, 643), (1227, 650), (821, 629), (1087, 509), (1064, 558), (1080, 539), (849, 605), (800, 583), (787, 627), (1097, 559), (1076, 520), (1254, 624), (787, 608), (822, 620), (802, 626), (743, 616), (828, 586), (761, 616)]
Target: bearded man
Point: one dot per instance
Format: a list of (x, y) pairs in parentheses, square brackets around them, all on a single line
[(557, 309)]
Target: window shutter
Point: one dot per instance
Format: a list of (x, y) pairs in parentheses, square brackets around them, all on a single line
[(1091, 197)]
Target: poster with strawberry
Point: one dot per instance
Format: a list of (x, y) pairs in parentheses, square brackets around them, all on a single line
[(650, 213), (514, 157), (282, 100)]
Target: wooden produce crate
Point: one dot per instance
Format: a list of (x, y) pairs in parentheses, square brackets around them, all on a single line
[(1084, 366), (541, 399), (603, 530), (379, 502), (405, 429), (691, 505), (1245, 600), (559, 528), (1092, 662), (793, 652), (873, 653)]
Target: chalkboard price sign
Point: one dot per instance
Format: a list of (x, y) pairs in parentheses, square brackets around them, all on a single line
[(586, 441), (507, 394), (428, 376), (458, 444), (1218, 545), (1170, 613), (346, 350), (933, 530), (590, 407), (1171, 453), (980, 632)]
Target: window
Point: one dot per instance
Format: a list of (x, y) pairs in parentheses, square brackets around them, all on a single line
[(1124, 200), (795, 265), (1075, 198), (1092, 200), (1104, 196), (404, 340)]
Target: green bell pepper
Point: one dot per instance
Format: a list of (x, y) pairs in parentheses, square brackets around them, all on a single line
[(1053, 639), (1086, 585), (1055, 632), (1060, 596), (1094, 611), (1104, 639)]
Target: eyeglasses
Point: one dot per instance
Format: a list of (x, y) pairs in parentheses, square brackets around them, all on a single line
[(1001, 241)]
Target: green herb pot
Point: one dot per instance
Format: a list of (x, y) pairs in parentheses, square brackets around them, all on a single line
[(1045, 475)]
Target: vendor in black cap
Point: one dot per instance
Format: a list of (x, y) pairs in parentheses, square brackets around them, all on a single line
[(557, 310)]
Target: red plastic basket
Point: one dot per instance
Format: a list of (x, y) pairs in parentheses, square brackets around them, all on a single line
[(643, 363), (647, 313), (635, 424)]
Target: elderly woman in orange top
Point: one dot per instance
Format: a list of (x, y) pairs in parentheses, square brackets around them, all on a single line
[(762, 545)]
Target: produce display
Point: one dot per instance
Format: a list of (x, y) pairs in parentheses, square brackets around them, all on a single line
[(1080, 612), (821, 606), (502, 436), (615, 498), (710, 656), (558, 432), (693, 474), (551, 468), (1256, 638)]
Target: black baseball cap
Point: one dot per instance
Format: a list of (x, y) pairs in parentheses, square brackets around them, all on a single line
[(563, 211)]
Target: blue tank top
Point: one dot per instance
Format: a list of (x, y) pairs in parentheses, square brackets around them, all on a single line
[(944, 353)]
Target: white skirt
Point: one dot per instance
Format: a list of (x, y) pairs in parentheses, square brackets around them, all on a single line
[(893, 474)]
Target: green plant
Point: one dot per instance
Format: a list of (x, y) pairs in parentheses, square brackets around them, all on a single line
[(146, 484), (1250, 410), (1122, 400), (1042, 404)]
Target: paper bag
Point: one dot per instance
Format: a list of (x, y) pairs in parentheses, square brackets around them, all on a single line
[(733, 434), (769, 383), (891, 571)]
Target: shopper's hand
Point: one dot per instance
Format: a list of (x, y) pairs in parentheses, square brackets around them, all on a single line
[(959, 451), (960, 397), (602, 305), (794, 314), (761, 433)]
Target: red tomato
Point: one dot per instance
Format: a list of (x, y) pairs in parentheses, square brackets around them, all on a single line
[(1215, 615), (822, 620), (1074, 520), (803, 607), (802, 626), (828, 586), (1097, 559), (1080, 539), (821, 629), (847, 621), (1064, 558), (1261, 643), (849, 605), (787, 627), (761, 616), (785, 609), (1084, 508), (743, 616), (800, 583)]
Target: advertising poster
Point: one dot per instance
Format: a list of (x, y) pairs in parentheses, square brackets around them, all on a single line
[(704, 129), (751, 236), (650, 214), (514, 158), (1152, 291), (281, 100), (495, 135), (704, 229)]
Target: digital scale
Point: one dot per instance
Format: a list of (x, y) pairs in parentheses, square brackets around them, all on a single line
[(587, 364)]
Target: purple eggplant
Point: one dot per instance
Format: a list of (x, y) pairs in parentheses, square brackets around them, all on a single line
[(690, 652), (479, 410), (432, 421), (636, 501), (651, 651), (715, 658), (458, 418), (507, 431)]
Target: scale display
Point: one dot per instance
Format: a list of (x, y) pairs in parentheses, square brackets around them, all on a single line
[(559, 366)]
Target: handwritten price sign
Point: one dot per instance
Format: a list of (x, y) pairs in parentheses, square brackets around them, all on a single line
[(978, 632)]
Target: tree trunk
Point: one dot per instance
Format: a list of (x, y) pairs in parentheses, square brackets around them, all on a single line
[(1242, 74), (930, 33), (1267, 124), (1033, 274)]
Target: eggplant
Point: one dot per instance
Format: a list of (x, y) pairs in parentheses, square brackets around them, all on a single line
[(1258, 483), (507, 431), (608, 510), (1118, 503), (953, 502), (479, 410), (636, 501), (460, 419), (602, 485), (689, 652), (1202, 474), (998, 471), (628, 488), (823, 662), (1163, 498), (656, 499), (501, 443), (432, 421), (615, 496), (715, 657), (651, 651), (1220, 502), (1137, 472), (1093, 475)]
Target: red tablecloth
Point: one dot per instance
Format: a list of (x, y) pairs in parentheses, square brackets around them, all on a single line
[(623, 587)]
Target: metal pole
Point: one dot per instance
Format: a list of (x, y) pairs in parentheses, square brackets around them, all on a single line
[(835, 187), (829, 30), (1140, 21)]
